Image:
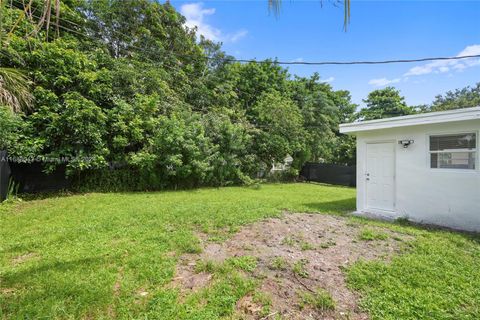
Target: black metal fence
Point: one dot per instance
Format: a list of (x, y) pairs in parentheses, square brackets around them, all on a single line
[(330, 173), (29, 177)]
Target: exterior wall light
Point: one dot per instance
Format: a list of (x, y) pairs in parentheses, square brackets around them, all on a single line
[(405, 143)]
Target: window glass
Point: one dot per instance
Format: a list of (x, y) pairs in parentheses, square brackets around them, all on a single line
[(451, 142), (455, 151), (453, 160)]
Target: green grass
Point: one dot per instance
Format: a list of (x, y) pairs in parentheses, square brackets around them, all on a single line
[(320, 300), (368, 234), (437, 277), (245, 263), (113, 255), (103, 256)]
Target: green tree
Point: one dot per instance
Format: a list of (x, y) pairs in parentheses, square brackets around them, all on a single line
[(127, 86), (9, 126), (323, 109), (384, 103), (460, 98), (280, 127)]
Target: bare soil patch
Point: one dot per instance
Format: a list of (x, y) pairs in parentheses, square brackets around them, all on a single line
[(296, 254), (24, 258)]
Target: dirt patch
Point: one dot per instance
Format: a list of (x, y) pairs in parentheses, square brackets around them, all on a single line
[(24, 258), (297, 254)]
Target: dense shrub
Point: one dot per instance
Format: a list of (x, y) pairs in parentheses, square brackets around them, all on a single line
[(132, 103)]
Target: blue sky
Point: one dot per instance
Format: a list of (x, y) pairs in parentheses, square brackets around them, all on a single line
[(379, 30)]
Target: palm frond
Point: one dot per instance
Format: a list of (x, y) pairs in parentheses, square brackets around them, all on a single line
[(275, 5), (14, 90), (346, 20)]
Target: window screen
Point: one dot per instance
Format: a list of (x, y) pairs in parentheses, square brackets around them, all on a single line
[(456, 151)]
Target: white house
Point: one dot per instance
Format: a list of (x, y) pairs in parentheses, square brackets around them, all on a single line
[(423, 167)]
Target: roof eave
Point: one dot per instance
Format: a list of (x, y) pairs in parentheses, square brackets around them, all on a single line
[(413, 120)]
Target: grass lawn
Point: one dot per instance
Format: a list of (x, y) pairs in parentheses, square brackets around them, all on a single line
[(114, 256)]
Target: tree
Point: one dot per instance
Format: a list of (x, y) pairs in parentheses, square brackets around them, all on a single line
[(9, 125), (460, 98), (280, 127), (323, 109), (130, 89), (384, 103)]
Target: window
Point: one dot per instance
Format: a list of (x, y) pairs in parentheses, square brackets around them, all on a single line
[(455, 151)]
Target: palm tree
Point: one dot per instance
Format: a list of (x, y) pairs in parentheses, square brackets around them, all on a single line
[(274, 5), (14, 89), (14, 84)]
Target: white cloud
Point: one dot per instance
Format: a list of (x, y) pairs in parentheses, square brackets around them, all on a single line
[(298, 60), (329, 79), (238, 35), (196, 16), (383, 82), (443, 66)]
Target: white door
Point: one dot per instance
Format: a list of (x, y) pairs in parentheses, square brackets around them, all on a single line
[(380, 176)]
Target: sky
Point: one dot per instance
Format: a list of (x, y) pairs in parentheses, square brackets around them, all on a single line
[(379, 30)]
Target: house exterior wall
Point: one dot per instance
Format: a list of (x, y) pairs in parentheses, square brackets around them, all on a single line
[(446, 197)]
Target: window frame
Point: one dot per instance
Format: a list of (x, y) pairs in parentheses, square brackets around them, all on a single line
[(476, 151)]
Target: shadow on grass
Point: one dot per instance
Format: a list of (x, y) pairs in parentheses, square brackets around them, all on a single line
[(338, 206), (24, 276)]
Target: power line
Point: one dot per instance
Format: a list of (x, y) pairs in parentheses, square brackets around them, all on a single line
[(320, 63), (269, 61)]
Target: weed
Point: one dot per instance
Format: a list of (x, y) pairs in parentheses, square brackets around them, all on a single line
[(370, 235), (264, 300), (299, 268), (245, 263), (289, 241), (205, 266), (328, 244), (320, 300), (306, 246), (404, 221), (279, 263)]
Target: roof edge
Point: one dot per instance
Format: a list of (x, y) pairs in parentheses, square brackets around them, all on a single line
[(412, 120)]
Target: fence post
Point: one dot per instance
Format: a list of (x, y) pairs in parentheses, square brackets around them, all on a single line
[(4, 175)]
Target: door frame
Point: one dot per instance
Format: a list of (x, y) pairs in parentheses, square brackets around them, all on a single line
[(394, 184)]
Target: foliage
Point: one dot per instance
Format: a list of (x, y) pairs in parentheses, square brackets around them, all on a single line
[(461, 98), (384, 103), (14, 89), (281, 126), (125, 95), (9, 126)]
